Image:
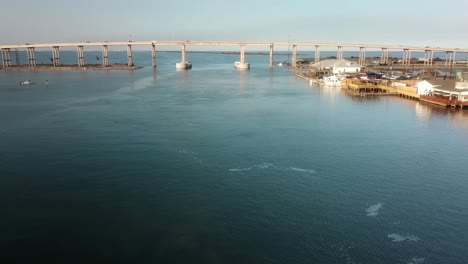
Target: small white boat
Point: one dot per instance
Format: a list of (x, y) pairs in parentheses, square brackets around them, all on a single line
[(184, 65), (332, 80), (241, 65), (28, 82)]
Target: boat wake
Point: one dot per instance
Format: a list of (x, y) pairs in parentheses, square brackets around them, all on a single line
[(240, 169), (302, 170)]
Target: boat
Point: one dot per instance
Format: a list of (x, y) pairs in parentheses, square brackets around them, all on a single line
[(241, 65), (28, 82), (184, 65), (332, 80)]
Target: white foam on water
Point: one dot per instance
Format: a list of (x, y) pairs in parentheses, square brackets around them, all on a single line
[(240, 169), (190, 153), (302, 170), (400, 238), (373, 210), (137, 85), (416, 261), (264, 166)]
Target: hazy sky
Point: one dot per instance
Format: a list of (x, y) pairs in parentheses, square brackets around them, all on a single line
[(424, 23)]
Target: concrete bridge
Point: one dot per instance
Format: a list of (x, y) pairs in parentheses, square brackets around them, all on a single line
[(340, 47)]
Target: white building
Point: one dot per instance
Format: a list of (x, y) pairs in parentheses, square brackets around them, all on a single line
[(338, 66), (449, 89)]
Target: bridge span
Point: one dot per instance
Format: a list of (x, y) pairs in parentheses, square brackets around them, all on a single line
[(340, 47)]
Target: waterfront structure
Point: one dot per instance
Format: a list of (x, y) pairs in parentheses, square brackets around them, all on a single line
[(184, 64), (340, 47), (444, 92), (337, 66), (242, 64)]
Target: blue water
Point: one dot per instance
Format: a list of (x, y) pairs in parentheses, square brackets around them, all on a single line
[(215, 165)]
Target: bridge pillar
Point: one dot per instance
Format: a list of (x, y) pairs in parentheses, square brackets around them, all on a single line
[(450, 58), (153, 55), (242, 54), (80, 52), (182, 53), (31, 57), (271, 55), (6, 57), (384, 56), (406, 57), (105, 56), (56, 56), (317, 54), (339, 53), (294, 57), (129, 56), (428, 57), (362, 56)]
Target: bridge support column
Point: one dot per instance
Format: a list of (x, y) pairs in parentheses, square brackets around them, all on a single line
[(182, 53), (105, 56), (153, 55), (56, 56), (80, 52), (428, 57), (317, 54), (183, 64), (271, 55), (294, 57), (406, 57), (242, 64), (339, 53), (31, 57), (362, 56), (384, 56), (453, 58), (129, 56), (6, 57), (242, 54), (450, 58)]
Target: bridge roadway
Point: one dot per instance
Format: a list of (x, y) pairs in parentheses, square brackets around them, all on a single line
[(407, 50)]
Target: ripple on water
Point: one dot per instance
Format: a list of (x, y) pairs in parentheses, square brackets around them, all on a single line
[(416, 261), (400, 238)]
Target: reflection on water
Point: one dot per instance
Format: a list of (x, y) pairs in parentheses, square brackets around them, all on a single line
[(425, 112), (242, 79)]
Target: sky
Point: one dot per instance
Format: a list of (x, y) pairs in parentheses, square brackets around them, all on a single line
[(401, 22)]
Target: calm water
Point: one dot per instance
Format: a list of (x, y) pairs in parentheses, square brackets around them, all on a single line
[(214, 165)]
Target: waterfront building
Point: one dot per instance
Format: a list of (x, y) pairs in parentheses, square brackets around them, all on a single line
[(444, 92), (337, 66)]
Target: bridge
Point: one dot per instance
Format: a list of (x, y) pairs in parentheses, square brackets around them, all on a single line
[(340, 47)]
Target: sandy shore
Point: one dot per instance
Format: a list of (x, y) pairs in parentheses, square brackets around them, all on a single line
[(121, 67)]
